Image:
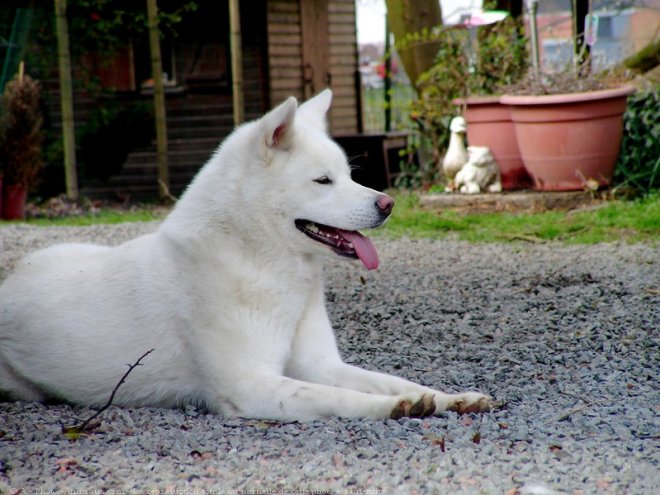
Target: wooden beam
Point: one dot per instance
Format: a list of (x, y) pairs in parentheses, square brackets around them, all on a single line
[(236, 62), (159, 100), (66, 100), (580, 10)]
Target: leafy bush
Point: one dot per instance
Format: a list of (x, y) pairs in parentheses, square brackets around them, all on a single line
[(496, 58), (20, 131), (638, 165), (103, 26)]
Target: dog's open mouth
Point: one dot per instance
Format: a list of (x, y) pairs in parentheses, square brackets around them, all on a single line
[(349, 243)]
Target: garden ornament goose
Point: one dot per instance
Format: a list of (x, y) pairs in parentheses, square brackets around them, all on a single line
[(457, 154)]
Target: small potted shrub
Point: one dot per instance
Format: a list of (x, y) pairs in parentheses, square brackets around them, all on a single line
[(569, 124), (20, 143)]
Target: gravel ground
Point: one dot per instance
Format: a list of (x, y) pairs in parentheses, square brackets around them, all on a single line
[(566, 335)]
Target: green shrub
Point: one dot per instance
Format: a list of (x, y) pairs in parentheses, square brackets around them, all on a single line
[(638, 165), (495, 58)]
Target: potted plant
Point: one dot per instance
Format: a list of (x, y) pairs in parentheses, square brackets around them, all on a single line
[(568, 125), (20, 143), (569, 129)]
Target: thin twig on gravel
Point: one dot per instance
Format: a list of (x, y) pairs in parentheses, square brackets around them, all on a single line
[(567, 414), (74, 431)]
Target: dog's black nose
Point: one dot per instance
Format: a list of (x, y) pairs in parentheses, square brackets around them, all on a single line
[(385, 204)]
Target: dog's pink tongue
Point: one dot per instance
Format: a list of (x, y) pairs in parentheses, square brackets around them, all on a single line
[(364, 248)]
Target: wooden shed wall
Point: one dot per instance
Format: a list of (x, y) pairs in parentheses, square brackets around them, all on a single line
[(285, 58), (345, 113), (284, 50)]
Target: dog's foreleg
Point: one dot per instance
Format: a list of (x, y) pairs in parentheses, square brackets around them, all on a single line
[(340, 374), (269, 396), (355, 378), (315, 358)]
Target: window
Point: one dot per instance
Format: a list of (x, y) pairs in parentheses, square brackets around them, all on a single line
[(605, 27)]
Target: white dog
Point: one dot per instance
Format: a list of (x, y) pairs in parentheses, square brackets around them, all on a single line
[(228, 291)]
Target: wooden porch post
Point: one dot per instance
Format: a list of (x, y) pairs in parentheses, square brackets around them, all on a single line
[(66, 100), (236, 62), (159, 100)]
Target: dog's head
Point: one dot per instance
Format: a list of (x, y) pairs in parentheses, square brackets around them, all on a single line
[(300, 185)]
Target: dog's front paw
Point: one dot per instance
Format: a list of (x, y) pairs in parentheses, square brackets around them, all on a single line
[(423, 407), (471, 402)]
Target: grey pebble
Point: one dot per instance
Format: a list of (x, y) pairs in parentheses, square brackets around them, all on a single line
[(545, 328)]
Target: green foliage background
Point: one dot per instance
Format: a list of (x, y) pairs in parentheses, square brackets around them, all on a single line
[(493, 57), (639, 161)]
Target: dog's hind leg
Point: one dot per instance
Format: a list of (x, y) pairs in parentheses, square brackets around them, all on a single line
[(17, 387)]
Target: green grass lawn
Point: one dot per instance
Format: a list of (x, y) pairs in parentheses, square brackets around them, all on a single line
[(102, 217), (628, 221)]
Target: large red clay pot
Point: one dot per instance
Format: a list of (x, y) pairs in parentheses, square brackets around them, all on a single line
[(569, 139), (489, 124), (13, 201)]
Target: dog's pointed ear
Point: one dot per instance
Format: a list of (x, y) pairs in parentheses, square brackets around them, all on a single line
[(315, 110), (277, 125)]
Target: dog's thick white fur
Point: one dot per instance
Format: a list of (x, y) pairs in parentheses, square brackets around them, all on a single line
[(228, 291)]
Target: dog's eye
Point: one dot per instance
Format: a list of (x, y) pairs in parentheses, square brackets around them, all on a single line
[(325, 180)]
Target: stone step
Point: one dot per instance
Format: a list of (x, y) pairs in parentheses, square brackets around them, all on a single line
[(509, 201)]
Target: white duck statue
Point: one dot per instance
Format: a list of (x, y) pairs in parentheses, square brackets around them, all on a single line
[(480, 173), (457, 154)]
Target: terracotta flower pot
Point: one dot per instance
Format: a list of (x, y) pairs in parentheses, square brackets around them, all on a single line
[(567, 140), (489, 124), (13, 201)]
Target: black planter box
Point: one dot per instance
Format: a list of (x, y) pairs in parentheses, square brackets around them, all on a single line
[(375, 157)]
